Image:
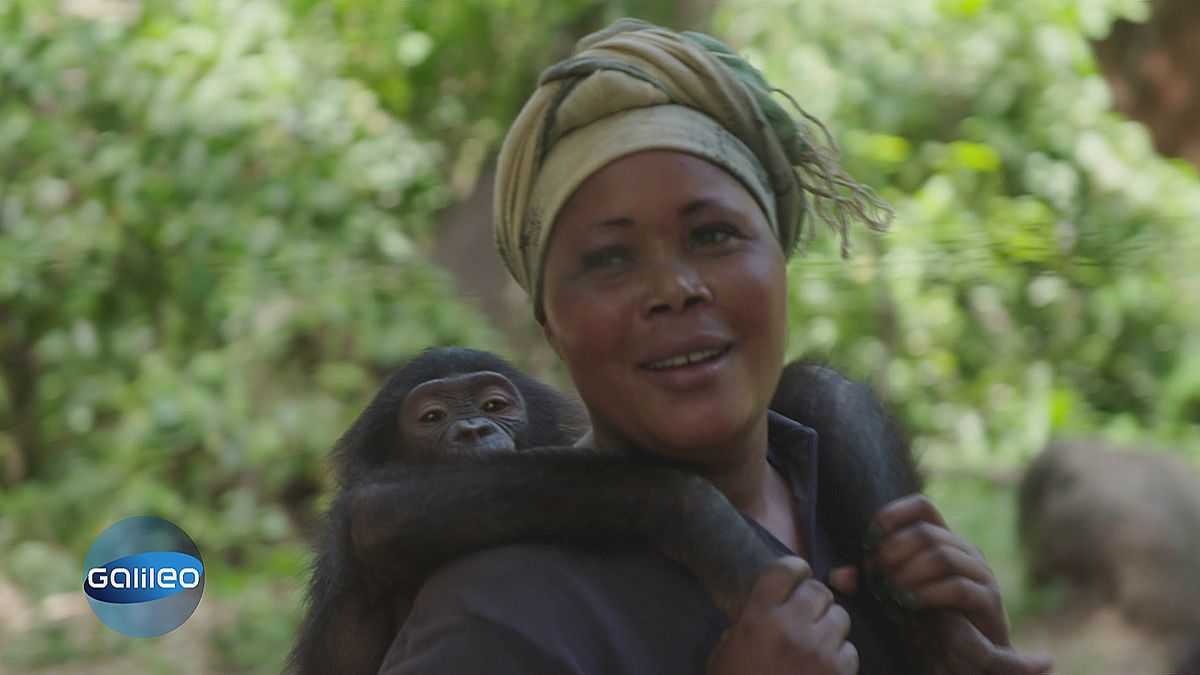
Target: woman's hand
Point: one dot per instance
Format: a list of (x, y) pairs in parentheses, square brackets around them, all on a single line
[(920, 563), (790, 625), (925, 565)]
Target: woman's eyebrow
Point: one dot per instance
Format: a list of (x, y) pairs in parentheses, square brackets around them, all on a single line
[(694, 206), (685, 210), (619, 221)]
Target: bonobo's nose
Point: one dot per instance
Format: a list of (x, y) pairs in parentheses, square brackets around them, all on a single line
[(467, 431)]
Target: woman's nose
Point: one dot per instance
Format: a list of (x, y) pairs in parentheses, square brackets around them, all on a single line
[(675, 287)]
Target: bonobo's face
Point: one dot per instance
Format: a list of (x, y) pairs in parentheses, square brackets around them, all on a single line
[(665, 294), (462, 415)]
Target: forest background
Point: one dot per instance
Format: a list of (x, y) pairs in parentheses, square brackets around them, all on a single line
[(222, 223)]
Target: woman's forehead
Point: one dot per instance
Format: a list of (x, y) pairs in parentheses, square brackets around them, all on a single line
[(656, 180)]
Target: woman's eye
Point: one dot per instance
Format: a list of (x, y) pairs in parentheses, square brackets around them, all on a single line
[(713, 234), (494, 405), (605, 257), (433, 416)]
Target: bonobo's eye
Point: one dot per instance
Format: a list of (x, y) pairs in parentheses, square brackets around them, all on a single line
[(495, 404), (433, 415)]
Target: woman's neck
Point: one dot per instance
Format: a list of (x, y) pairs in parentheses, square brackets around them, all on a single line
[(738, 467), (761, 492)]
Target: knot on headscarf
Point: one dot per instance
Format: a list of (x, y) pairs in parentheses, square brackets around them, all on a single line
[(634, 86)]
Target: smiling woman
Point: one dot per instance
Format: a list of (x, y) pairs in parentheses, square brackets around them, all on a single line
[(676, 302), (648, 196)]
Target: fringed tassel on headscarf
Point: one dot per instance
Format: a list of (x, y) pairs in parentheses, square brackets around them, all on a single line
[(838, 199)]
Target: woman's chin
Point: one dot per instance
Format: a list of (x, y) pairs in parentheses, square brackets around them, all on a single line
[(697, 436)]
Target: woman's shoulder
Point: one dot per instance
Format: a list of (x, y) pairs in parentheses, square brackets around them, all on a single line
[(563, 580), (489, 583), (565, 608)]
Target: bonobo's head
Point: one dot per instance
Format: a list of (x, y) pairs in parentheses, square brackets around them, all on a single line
[(464, 414), (449, 401)]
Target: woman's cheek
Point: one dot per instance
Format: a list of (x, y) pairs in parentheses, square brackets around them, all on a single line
[(588, 324)]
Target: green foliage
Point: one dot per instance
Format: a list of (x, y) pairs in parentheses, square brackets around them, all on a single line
[(1042, 275), (460, 70), (258, 635), (207, 260), (214, 221)]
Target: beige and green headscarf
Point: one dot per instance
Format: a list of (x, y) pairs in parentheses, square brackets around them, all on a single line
[(634, 86)]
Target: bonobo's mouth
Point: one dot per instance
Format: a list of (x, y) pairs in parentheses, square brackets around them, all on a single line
[(486, 446)]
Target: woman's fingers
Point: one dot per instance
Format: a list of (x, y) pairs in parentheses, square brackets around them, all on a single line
[(920, 563), (790, 624), (811, 600), (777, 583), (819, 628), (907, 510), (814, 603), (952, 593), (898, 547), (839, 623), (845, 580), (847, 658), (972, 650), (1008, 661), (936, 563), (981, 604)]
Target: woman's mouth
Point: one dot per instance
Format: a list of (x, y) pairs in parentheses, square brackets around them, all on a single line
[(691, 358)]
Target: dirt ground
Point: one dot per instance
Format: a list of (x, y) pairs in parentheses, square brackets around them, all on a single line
[(1095, 642)]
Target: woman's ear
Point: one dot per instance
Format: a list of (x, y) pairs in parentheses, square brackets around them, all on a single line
[(551, 338)]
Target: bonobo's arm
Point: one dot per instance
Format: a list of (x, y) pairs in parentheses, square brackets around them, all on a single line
[(350, 621), (866, 468), (409, 520)]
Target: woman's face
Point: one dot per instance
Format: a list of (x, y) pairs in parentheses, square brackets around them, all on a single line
[(665, 294)]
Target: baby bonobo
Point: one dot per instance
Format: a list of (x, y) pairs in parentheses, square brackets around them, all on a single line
[(460, 451)]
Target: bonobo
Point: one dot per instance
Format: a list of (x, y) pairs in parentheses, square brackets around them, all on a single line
[(457, 453)]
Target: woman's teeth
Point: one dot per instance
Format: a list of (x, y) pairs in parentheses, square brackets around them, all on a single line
[(685, 359)]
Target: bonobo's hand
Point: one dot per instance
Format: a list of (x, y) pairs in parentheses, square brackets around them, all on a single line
[(919, 563), (790, 624)]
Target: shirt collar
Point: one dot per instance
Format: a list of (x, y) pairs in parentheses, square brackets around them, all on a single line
[(792, 450)]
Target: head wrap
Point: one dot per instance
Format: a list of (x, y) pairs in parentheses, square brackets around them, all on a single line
[(634, 86)]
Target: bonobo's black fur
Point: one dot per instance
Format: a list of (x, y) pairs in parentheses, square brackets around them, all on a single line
[(865, 462), (395, 519)]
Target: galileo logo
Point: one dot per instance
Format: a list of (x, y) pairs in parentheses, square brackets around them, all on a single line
[(143, 577)]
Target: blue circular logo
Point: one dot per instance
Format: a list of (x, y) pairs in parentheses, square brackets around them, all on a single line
[(143, 577)]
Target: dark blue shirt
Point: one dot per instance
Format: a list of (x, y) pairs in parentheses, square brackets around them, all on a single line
[(544, 608)]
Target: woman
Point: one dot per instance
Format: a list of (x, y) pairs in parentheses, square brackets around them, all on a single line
[(648, 196)]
